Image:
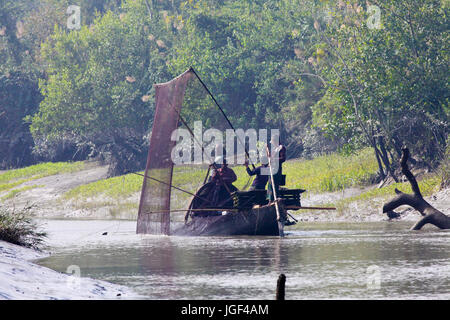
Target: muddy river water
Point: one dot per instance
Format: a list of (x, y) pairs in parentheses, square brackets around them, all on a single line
[(382, 260)]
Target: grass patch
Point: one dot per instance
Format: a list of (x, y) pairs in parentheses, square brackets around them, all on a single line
[(14, 192), (8, 186), (428, 185), (326, 173), (18, 227), (13, 178), (127, 185), (332, 172)]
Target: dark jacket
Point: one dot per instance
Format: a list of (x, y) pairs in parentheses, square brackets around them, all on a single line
[(261, 180), (224, 175)]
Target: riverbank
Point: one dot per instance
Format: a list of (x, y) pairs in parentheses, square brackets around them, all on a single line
[(83, 191), (21, 279), (354, 207)]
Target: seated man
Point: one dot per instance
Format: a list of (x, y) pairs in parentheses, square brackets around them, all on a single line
[(223, 177), (261, 179)]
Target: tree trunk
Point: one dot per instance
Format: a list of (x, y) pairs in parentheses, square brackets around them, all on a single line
[(385, 158), (380, 166), (429, 213)]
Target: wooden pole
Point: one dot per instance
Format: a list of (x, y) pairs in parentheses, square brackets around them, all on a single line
[(223, 113), (198, 210), (280, 223), (309, 208), (281, 284)]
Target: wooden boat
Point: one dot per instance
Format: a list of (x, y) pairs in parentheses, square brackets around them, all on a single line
[(248, 214), (258, 221)]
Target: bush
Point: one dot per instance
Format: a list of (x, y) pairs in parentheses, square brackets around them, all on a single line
[(17, 227)]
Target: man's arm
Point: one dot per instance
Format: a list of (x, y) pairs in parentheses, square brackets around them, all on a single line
[(282, 154), (250, 171)]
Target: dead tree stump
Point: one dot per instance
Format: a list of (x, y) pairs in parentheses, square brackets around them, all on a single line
[(429, 213)]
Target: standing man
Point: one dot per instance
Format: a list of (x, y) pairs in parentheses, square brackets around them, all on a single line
[(277, 158), (260, 181)]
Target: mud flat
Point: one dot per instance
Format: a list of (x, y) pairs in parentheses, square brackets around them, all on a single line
[(21, 279)]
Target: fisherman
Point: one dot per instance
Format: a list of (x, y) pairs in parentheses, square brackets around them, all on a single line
[(223, 178), (220, 154), (260, 181), (277, 158)]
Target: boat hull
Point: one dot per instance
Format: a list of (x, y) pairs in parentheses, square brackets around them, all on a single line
[(254, 222)]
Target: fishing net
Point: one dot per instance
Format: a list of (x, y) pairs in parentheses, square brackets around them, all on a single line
[(154, 206), (184, 143)]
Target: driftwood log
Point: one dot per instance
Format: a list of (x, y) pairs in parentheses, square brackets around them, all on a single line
[(416, 200)]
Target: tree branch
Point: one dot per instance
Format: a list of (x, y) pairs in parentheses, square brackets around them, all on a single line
[(429, 213)]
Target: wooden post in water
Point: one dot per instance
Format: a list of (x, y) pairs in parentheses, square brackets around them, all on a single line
[(280, 287)]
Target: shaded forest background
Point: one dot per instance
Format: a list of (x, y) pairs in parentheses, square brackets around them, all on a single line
[(332, 75)]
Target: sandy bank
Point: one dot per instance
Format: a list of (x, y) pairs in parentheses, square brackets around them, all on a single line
[(48, 201), (365, 211), (22, 279)]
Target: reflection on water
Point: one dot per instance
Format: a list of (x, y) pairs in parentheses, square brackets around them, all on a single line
[(321, 261)]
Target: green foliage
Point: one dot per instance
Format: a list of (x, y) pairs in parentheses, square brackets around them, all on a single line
[(88, 92), (17, 227), (99, 88), (240, 51), (313, 69), (388, 83)]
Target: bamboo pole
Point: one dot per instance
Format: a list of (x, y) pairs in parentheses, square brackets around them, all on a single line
[(223, 113), (309, 208), (280, 223), (197, 210)]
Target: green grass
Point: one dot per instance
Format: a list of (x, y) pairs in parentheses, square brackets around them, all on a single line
[(326, 173), (14, 192), (14, 178), (427, 185), (332, 172), (118, 190)]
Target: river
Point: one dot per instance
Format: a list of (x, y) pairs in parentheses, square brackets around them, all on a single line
[(382, 260)]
